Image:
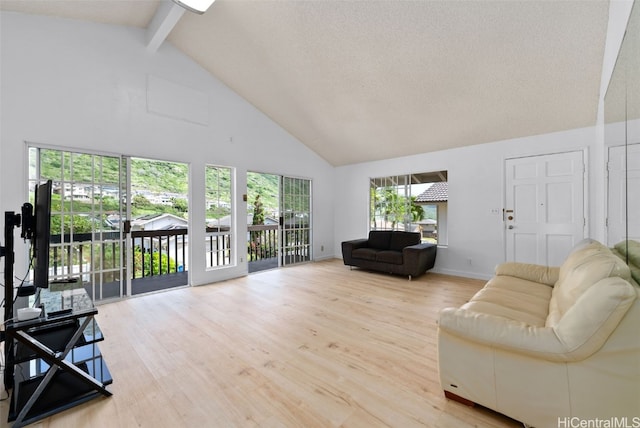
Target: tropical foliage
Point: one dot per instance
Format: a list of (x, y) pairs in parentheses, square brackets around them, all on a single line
[(151, 260), (390, 209)]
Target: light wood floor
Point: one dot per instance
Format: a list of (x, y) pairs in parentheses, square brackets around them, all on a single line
[(316, 345)]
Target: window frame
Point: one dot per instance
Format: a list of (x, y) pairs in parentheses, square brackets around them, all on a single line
[(220, 236), (391, 199)]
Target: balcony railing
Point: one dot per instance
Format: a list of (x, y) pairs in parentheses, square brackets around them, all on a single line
[(159, 252), (161, 256), (218, 246), (263, 242), (72, 254), (265, 249)]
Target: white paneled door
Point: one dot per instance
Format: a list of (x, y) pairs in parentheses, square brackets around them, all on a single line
[(624, 181), (544, 207)]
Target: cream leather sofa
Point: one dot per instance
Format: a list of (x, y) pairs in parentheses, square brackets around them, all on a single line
[(548, 346)]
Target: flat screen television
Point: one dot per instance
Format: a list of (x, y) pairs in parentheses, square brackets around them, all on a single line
[(41, 234)]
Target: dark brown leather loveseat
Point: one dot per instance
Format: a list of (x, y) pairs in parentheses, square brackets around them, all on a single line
[(390, 251)]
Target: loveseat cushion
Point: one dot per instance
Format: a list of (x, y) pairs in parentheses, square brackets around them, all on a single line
[(388, 256), (513, 298), (577, 257), (365, 253), (399, 240), (379, 239), (579, 272), (630, 251), (537, 273)]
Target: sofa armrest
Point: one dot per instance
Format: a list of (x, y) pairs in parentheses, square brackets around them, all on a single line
[(419, 258), (356, 243), (349, 246), (537, 273), (582, 331)]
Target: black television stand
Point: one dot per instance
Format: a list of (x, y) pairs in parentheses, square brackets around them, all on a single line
[(52, 362), (56, 363)]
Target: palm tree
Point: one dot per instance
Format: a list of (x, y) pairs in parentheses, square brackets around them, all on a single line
[(417, 212)]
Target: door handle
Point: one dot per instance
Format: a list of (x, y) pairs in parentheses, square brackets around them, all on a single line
[(510, 226)]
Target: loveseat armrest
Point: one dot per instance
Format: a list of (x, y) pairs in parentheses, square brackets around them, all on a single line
[(581, 332), (536, 273), (419, 258), (349, 246)]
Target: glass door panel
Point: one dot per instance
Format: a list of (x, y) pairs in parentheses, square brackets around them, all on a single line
[(86, 240), (159, 225), (263, 230), (295, 220)]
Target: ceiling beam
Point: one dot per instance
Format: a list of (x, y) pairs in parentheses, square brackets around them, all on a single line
[(166, 17)]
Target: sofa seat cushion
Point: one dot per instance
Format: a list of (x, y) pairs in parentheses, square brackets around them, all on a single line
[(393, 257), (365, 253), (513, 298)]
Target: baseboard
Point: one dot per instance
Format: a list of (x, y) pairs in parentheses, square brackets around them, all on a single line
[(464, 274)]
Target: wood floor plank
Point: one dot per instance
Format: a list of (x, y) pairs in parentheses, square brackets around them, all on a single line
[(315, 345)]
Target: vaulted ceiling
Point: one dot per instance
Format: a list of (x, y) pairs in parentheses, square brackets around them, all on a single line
[(367, 80)]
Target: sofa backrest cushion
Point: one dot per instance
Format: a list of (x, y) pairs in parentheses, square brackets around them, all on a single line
[(595, 316), (379, 239), (630, 249), (630, 252), (399, 240), (577, 256), (583, 268)]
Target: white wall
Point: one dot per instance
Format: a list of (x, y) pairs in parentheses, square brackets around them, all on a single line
[(476, 183), (83, 86)]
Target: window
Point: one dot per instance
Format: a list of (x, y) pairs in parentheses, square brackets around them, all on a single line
[(219, 216), (411, 202)]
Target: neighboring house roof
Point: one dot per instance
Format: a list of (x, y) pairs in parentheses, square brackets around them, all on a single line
[(438, 192), (171, 221), (427, 221), (226, 221)]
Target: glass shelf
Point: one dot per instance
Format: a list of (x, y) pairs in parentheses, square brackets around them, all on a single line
[(44, 382)]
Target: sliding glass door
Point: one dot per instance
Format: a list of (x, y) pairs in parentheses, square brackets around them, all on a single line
[(87, 205), (279, 215), (118, 224), (295, 220), (158, 224)]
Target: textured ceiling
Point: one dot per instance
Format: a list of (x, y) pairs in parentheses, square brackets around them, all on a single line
[(366, 80)]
